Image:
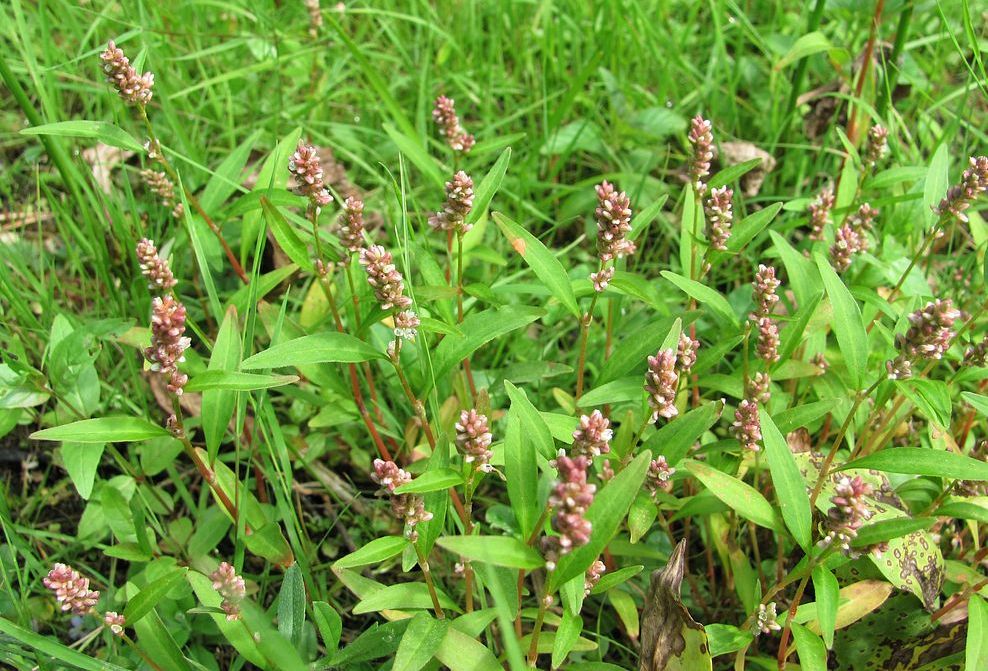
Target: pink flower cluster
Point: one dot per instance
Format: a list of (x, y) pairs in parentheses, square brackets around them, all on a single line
[(592, 437), (384, 278), (473, 439), (659, 476), (973, 183), (613, 215), (852, 237), (444, 114), (154, 268), (686, 355), (459, 202), (133, 88), (231, 587), (305, 166), (701, 139), (662, 383), (351, 226), (71, 589), (592, 577), (849, 512), (720, 215), (747, 426), (163, 187), (877, 147), (168, 345), (571, 498), (820, 213), (409, 508), (931, 330)]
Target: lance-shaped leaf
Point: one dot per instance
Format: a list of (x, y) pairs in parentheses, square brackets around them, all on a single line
[(331, 347), (671, 639)]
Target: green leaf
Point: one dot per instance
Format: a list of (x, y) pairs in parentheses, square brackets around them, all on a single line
[(978, 401), (479, 328), (937, 179), (976, 649), (218, 404), (792, 335), (848, 324), (413, 149), (932, 397), (145, 600), (827, 592), (291, 605), (886, 530), (567, 634), (803, 415), (102, 131), (923, 461), (608, 510), (226, 180), (632, 351), (544, 263), (802, 274), (237, 381), (627, 611), (53, 650), (732, 173), (420, 642), (103, 430), (964, 511), (488, 186), (789, 486), (812, 653), (741, 497), (81, 460), (522, 474), (286, 236), (329, 623), (460, 652), (703, 294), (498, 550), (674, 439), (431, 481), (378, 550), (234, 631), (642, 220), (725, 638), (807, 45), (615, 578), (329, 347), (534, 430), (746, 229), (618, 391), (405, 596)]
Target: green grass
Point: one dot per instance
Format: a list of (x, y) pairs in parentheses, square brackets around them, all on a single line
[(579, 92)]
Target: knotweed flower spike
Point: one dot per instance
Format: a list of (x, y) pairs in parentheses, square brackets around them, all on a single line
[(759, 388), (410, 508), (115, 622), (613, 215), (231, 587), (877, 146), (133, 88), (571, 498), (406, 325), (767, 348), (449, 125), (602, 278), (763, 291), (977, 354), (931, 330), (473, 440), (459, 202), (304, 165), (659, 476), (168, 345), (592, 577), (384, 278), (847, 243), (162, 187), (849, 512), (747, 427), (315, 16), (959, 197), (154, 268), (351, 226), (819, 210), (593, 436), (702, 141), (765, 622), (720, 216), (661, 384), (71, 589), (686, 356)]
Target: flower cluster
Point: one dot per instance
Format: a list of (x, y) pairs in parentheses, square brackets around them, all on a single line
[(305, 167), (154, 268), (747, 427), (766, 621), (849, 511), (315, 16), (71, 589), (570, 499), (877, 146), (231, 587), (613, 215), (592, 577), (133, 88), (168, 345), (115, 622), (977, 354), (720, 215), (759, 388), (406, 325), (384, 278), (162, 187), (593, 437), (686, 355), (409, 508), (819, 209), (350, 228), (931, 330), (449, 125), (602, 278), (661, 384), (659, 476), (701, 139), (473, 439), (852, 237), (959, 197), (765, 297), (459, 202)]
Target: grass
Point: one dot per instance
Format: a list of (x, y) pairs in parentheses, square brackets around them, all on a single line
[(579, 92)]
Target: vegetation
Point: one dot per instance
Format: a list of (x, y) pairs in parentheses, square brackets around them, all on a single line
[(493, 335)]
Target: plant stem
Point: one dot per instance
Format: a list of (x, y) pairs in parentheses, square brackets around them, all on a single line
[(584, 336), (459, 310), (533, 648), (427, 573), (173, 175), (876, 21)]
